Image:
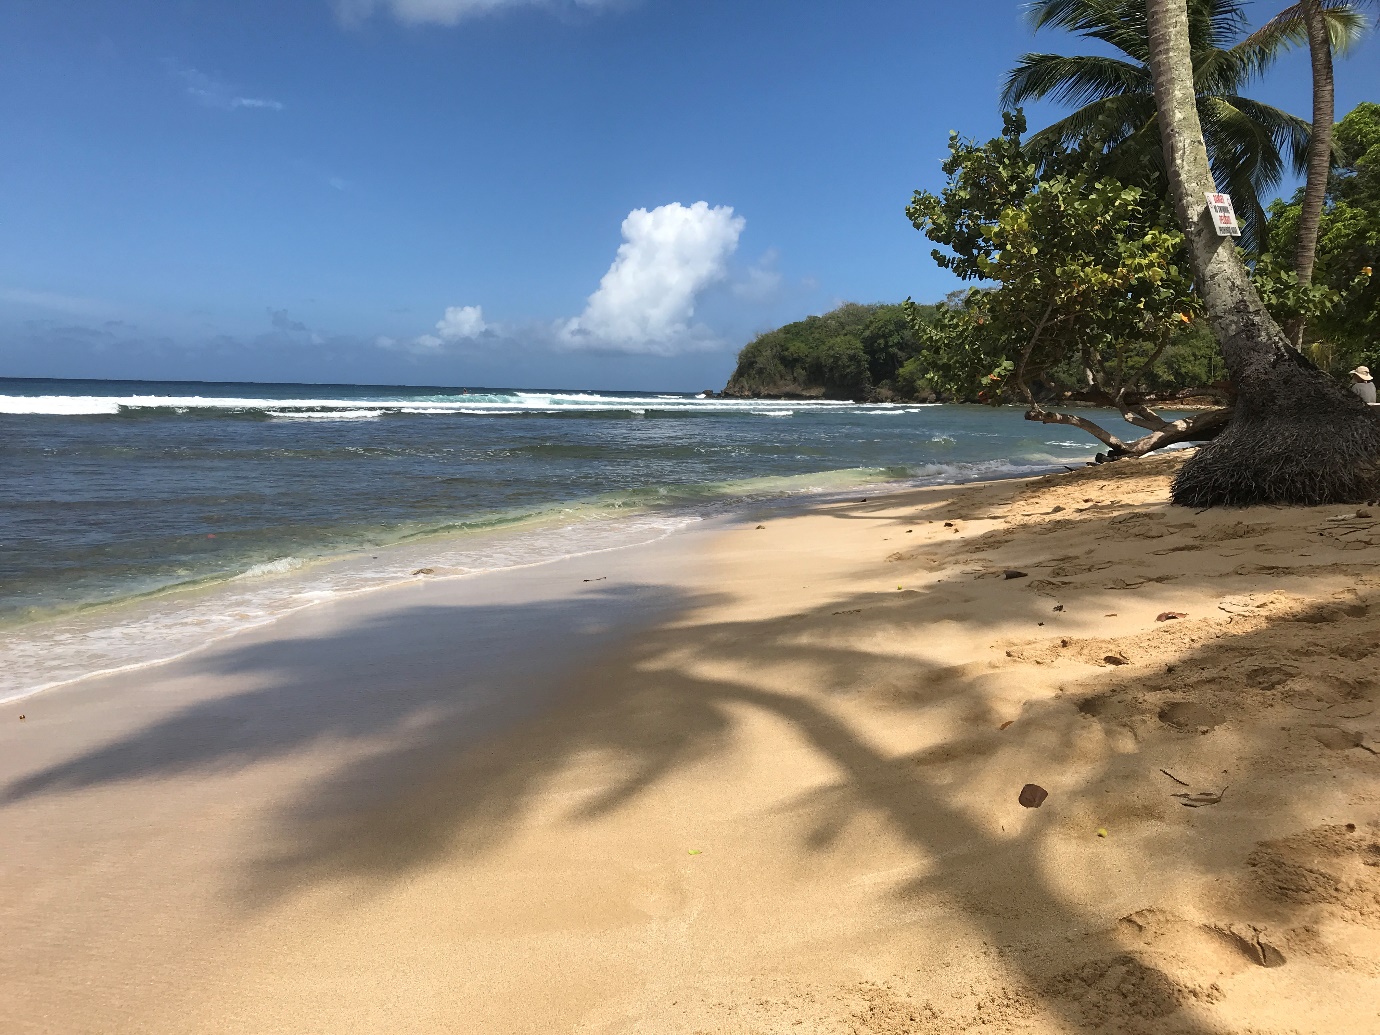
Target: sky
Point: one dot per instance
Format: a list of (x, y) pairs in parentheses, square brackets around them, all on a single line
[(610, 194)]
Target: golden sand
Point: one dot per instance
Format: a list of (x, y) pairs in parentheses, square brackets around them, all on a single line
[(756, 780)]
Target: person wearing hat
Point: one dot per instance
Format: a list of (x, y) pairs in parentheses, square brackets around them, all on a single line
[(1363, 384)]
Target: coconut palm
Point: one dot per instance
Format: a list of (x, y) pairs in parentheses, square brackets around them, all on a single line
[(1327, 29), (1249, 143), (1296, 435)]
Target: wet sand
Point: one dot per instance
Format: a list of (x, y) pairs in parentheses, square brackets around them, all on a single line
[(750, 780)]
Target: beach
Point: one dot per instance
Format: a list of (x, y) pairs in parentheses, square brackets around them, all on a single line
[(764, 774)]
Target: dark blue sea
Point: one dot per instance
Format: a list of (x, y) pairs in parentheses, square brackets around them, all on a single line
[(140, 518)]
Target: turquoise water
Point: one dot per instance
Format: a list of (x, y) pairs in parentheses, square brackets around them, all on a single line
[(123, 491)]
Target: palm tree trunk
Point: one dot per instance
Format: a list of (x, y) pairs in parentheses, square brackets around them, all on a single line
[(1296, 436), (1319, 151)]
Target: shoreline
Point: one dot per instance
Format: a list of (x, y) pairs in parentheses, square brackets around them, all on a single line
[(750, 779), (316, 577)]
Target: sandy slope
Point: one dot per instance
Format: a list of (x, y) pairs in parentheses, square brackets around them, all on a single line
[(760, 780)]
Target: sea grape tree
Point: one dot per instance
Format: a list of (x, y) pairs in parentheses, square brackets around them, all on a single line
[(1088, 283)]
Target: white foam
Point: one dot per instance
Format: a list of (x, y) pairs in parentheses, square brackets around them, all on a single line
[(278, 567), (41, 655), (334, 415), (58, 405), (368, 408)]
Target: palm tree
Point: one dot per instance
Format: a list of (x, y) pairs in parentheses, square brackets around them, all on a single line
[(1249, 143), (1296, 435), (1327, 27)]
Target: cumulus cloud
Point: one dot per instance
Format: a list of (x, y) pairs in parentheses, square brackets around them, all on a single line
[(646, 299), (459, 323), (449, 12), (213, 93)]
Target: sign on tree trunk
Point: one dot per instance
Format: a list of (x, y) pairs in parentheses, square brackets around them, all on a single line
[(1223, 215)]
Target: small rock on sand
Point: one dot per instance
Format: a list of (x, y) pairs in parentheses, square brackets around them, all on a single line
[(1033, 796)]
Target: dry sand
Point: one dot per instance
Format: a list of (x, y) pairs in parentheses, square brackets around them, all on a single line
[(756, 780)]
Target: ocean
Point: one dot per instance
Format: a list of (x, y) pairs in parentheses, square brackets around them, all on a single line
[(140, 519)]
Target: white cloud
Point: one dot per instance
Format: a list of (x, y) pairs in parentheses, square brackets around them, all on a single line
[(646, 299), (459, 323), (213, 93), (448, 12)]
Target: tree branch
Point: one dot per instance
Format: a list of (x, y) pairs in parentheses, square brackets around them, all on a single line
[(1096, 430), (1198, 428)]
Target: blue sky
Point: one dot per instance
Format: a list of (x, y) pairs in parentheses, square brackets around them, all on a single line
[(572, 193)]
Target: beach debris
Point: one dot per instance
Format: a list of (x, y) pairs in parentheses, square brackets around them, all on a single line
[(909, 531), (1189, 717), (1102, 832), (1058, 607), (21, 718), (1111, 614), (1003, 726), (1170, 616), (694, 851), (1116, 659), (1033, 796), (1181, 783), (425, 571), (948, 524), (601, 578), (759, 528), (1057, 510), (1199, 799), (1012, 573), (854, 611), (863, 500)]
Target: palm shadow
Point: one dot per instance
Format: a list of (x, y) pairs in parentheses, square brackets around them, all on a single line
[(439, 774)]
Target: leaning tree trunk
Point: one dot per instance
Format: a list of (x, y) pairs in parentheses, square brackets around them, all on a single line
[(1297, 436), (1319, 151)]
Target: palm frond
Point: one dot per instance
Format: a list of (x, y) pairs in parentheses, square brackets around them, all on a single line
[(1346, 25), (1215, 24), (1074, 81), (1112, 119), (1290, 134), (1118, 23), (1225, 71)]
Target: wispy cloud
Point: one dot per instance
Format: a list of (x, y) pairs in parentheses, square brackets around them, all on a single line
[(452, 12), (214, 93), (760, 282)]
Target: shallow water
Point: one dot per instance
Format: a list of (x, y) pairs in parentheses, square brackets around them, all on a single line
[(117, 494)]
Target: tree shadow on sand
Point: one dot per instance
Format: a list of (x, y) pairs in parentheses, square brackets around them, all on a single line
[(436, 777)]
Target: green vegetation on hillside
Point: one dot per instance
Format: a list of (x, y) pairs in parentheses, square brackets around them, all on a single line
[(859, 352)]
